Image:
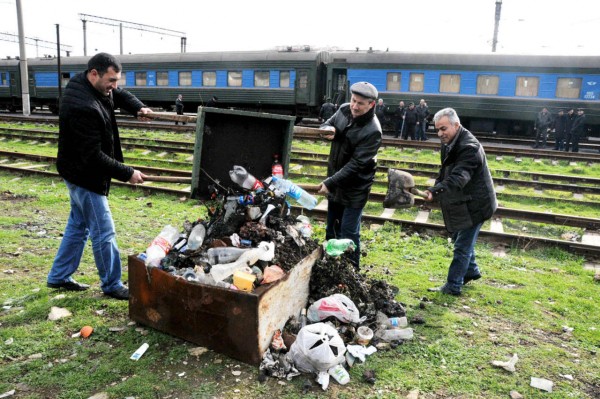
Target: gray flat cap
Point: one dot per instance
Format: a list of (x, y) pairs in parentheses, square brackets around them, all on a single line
[(364, 89)]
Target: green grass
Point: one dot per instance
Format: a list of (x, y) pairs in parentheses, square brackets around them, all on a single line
[(518, 307)]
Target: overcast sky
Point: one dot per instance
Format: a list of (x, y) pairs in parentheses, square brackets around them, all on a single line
[(526, 26)]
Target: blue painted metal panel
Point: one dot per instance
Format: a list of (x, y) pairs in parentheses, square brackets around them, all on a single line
[(274, 79), (507, 85), (173, 78), (292, 79), (46, 79), (468, 83), (151, 78), (247, 78), (196, 78), (130, 76), (221, 78), (590, 87), (431, 83)]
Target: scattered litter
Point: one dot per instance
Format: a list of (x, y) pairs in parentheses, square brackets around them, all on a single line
[(339, 373), (567, 329), (197, 351), (86, 331), (369, 376), (181, 374), (237, 373), (59, 296), (57, 313), (9, 341), (360, 352), (336, 305), (35, 356), (138, 353), (542, 383), (567, 376), (414, 394), (318, 347), (515, 395), (116, 329), (509, 365), (7, 394)]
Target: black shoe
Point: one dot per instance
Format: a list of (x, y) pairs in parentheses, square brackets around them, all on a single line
[(69, 286), (471, 278), (444, 289), (120, 293)]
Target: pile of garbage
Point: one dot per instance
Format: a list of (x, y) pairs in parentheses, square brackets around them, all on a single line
[(252, 239)]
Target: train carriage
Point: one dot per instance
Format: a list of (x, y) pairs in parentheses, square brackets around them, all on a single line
[(491, 92), (10, 85)]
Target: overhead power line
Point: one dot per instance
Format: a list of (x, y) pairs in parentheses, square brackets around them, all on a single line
[(34, 41), (128, 25)]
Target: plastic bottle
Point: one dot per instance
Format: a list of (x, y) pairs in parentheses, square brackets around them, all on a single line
[(297, 193), (395, 334), (277, 168), (161, 245), (339, 374), (196, 237), (265, 251), (391, 322), (303, 318), (224, 254), (336, 247), (240, 176)]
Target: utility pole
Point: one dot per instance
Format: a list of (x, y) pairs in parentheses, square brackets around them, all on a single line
[(59, 66), (23, 63), (84, 38), (496, 24)]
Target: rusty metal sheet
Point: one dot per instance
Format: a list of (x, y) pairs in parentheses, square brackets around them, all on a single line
[(237, 324)]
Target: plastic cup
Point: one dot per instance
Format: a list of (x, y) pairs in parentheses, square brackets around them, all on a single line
[(363, 335)]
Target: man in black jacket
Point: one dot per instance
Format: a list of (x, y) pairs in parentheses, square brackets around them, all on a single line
[(577, 131), (466, 194), (543, 124), (327, 110), (89, 156), (356, 138), (560, 125)]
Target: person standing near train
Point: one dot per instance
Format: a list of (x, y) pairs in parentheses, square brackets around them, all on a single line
[(410, 122), (465, 191), (179, 107), (560, 125), (355, 139), (327, 110), (542, 126), (399, 115), (422, 114), (89, 156), (576, 132)]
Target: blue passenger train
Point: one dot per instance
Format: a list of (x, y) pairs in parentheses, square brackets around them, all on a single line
[(491, 92)]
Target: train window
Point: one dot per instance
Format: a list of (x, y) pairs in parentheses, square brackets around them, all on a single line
[(234, 78), (123, 80), (3, 79), (284, 79), (417, 82), (162, 78), (140, 79), (527, 86), (261, 79), (393, 81), (209, 78), (488, 84), (302, 79), (65, 77), (449, 83), (568, 87), (185, 78)]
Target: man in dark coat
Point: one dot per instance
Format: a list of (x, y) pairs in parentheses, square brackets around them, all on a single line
[(356, 138), (410, 122), (422, 114), (327, 110), (179, 107), (466, 194), (543, 124), (577, 131), (399, 115), (560, 125), (89, 156), (380, 111)]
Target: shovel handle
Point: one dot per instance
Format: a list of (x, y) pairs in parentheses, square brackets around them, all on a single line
[(169, 179), (169, 116)]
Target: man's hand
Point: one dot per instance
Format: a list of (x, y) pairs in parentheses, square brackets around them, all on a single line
[(328, 136), (143, 111), (429, 196), (322, 189), (137, 177)]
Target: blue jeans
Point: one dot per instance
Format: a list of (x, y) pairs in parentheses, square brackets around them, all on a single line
[(463, 263), (344, 222), (90, 217)]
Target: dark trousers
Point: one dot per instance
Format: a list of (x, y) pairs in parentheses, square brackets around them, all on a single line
[(344, 222), (559, 141), (572, 141), (542, 134), (399, 128), (409, 130)]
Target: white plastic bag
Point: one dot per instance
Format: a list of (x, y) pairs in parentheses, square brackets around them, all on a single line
[(318, 347), (337, 305)]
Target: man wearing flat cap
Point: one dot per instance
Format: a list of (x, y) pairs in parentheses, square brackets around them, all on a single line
[(355, 139)]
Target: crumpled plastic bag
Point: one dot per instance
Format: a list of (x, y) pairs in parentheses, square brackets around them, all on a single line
[(337, 305), (272, 273), (318, 347)]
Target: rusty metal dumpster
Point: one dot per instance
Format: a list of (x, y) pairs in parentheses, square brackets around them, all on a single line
[(237, 324), (230, 137)]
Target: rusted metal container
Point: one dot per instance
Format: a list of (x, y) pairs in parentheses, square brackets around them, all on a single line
[(225, 138), (235, 323)]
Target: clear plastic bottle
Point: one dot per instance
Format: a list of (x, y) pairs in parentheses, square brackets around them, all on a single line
[(391, 322), (265, 251), (277, 168), (240, 176), (196, 237), (336, 247), (303, 318), (294, 191), (161, 245), (224, 254), (395, 334), (339, 374)]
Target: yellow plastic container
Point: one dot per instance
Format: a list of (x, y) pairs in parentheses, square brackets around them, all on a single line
[(244, 281)]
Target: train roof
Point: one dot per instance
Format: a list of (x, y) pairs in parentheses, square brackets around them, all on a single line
[(456, 59)]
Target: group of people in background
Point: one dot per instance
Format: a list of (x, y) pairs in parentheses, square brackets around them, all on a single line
[(568, 129)]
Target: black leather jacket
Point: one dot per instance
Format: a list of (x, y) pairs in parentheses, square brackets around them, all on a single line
[(89, 148), (464, 186), (353, 156)]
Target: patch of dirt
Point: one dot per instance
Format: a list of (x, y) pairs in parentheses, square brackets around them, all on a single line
[(12, 197)]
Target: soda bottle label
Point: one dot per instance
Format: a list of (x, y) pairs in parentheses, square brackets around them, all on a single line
[(161, 242), (277, 170), (394, 322)]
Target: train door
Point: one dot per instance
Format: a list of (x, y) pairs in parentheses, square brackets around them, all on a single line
[(339, 84), (15, 86), (302, 86)]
